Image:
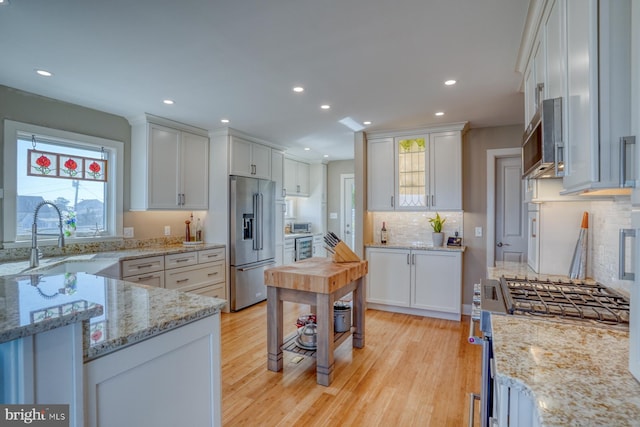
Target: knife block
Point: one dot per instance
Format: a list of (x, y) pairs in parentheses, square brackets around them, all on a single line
[(342, 253)]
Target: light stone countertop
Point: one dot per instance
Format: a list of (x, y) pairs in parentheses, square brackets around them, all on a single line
[(132, 313), (19, 267), (418, 246), (576, 375)]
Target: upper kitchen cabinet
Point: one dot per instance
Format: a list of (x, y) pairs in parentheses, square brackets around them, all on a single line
[(585, 49), (296, 178), (169, 165), (249, 159), (277, 172), (415, 171)]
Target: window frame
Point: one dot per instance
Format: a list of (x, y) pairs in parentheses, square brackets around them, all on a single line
[(115, 184)]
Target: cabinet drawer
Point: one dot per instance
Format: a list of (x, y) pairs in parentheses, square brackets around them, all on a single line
[(215, 291), (150, 279), (193, 277), (180, 260), (210, 255), (139, 266)]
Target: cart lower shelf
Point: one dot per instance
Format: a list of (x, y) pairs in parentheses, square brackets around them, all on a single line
[(291, 346)]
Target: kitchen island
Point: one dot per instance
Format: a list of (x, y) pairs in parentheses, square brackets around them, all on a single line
[(318, 282), (150, 357)]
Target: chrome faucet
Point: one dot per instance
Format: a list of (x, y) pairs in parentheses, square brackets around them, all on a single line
[(34, 261)]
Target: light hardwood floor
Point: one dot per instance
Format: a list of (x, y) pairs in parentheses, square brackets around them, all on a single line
[(413, 371)]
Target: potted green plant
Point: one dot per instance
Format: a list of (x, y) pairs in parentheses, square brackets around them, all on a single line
[(437, 223)]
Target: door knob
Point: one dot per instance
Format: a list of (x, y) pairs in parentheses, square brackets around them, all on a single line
[(500, 244)]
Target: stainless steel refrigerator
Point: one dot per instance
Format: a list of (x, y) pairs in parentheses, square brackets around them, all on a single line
[(252, 239)]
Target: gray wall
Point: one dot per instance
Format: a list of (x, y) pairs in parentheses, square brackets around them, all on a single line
[(474, 201), (334, 170), (25, 107)]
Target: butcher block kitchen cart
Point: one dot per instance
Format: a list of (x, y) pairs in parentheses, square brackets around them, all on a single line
[(318, 282)]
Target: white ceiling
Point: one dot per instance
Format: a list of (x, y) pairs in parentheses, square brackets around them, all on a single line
[(378, 60)]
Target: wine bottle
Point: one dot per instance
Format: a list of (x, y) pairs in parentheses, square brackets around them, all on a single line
[(383, 234)]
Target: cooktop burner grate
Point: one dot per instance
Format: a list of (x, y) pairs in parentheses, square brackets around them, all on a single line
[(574, 300)]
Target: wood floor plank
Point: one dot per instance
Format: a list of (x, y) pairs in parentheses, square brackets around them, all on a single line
[(413, 371)]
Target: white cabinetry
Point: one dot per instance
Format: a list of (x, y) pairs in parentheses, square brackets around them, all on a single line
[(296, 178), (586, 62), (156, 372), (144, 271), (415, 171), (169, 166), (318, 249), (422, 282), (289, 255), (249, 159), (277, 173)]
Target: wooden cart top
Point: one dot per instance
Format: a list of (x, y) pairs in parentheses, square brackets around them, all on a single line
[(319, 275)]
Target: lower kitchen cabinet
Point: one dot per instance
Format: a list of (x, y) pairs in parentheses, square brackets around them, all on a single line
[(289, 256), (422, 282), (513, 407), (171, 379)]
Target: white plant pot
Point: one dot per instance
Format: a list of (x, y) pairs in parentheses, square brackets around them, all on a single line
[(438, 239)]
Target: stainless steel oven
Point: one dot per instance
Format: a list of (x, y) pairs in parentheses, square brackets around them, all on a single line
[(567, 301), (304, 247)]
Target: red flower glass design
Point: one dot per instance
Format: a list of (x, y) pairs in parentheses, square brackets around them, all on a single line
[(94, 170), (43, 163), (96, 335), (71, 166)]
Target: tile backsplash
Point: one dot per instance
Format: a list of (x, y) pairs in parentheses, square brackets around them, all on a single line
[(414, 227)]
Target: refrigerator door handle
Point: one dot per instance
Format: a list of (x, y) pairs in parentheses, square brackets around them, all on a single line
[(256, 223), (260, 220)]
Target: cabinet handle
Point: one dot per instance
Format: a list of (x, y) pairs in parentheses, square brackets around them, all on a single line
[(624, 142), (183, 259), (140, 279), (144, 266), (413, 259), (433, 200), (182, 281), (408, 261), (622, 253), (297, 188), (391, 201), (212, 256), (212, 274), (533, 227)]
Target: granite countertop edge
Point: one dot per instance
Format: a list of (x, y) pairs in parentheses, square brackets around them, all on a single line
[(418, 246), (50, 324), (171, 323)]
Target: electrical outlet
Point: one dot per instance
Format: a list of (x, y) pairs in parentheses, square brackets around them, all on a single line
[(128, 232), (167, 230), (478, 231)]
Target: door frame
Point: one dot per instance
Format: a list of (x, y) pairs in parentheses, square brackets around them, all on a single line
[(343, 177), (492, 157)]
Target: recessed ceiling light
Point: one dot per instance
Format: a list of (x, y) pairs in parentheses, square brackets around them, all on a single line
[(325, 106), (325, 156), (298, 89), (450, 82), (440, 113), (366, 123), (224, 120), (168, 101), (3, 2), (44, 73), (307, 149)]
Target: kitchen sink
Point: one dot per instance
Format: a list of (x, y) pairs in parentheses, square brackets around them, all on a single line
[(74, 266)]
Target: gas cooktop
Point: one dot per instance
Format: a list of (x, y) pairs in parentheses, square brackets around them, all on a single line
[(577, 300)]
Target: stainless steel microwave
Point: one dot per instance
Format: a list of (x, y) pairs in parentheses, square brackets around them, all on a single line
[(542, 147), (301, 227)]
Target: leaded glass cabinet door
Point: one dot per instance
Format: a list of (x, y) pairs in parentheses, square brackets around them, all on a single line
[(412, 175)]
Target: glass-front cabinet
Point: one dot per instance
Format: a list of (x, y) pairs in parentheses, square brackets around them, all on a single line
[(412, 172), (418, 171)]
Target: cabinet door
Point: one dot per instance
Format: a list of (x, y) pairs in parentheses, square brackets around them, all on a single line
[(411, 173), (582, 122), (388, 281), (240, 157), (261, 161), (290, 179), (533, 245), (445, 170), (380, 175), (164, 172), (277, 172), (195, 171), (436, 281), (555, 45), (302, 175)]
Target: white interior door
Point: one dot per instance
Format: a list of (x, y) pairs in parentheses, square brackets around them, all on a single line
[(347, 209), (511, 222)]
